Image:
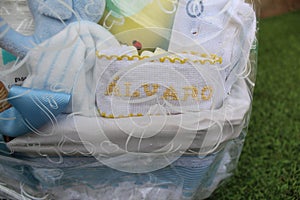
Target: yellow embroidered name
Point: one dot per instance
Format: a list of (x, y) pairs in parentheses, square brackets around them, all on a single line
[(170, 93)]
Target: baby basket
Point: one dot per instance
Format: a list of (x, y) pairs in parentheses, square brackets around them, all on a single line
[(123, 99)]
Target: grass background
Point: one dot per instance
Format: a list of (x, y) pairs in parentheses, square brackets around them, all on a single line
[(269, 166)]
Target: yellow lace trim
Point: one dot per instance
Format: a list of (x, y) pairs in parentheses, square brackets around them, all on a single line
[(211, 59), (111, 116)]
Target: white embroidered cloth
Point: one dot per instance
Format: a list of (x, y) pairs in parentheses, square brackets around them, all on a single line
[(222, 27), (79, 135)]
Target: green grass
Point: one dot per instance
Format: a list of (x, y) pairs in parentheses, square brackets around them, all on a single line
[(269, 166)]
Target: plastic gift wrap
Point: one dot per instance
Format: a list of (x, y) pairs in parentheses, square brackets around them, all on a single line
[(17, 14), (124, 99)]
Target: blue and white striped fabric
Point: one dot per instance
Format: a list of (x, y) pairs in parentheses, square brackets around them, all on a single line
[(65, 63)]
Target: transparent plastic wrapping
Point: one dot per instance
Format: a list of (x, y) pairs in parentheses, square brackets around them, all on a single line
[(130, 99)]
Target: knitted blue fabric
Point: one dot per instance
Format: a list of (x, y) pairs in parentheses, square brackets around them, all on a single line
[(50, 16)]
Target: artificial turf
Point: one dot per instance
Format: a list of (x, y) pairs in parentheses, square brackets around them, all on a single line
[(269, 166)]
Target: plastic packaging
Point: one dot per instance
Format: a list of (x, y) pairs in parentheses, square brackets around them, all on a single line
[(16, 13), (124, 99)]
